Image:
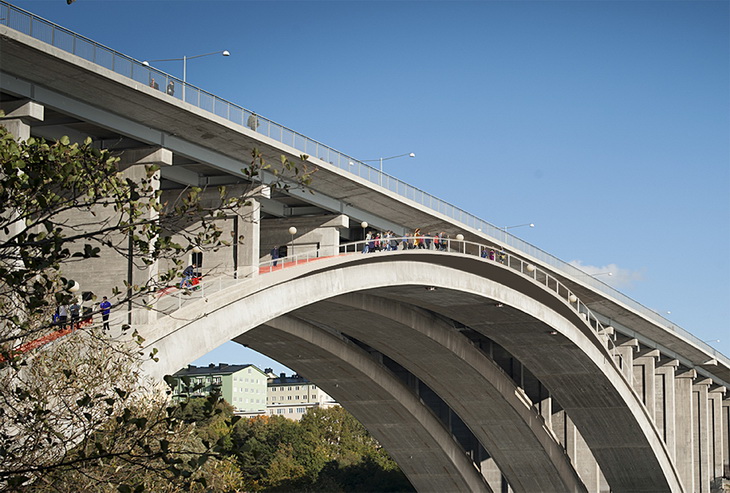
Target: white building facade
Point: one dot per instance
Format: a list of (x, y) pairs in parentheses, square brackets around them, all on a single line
[(293, 396)]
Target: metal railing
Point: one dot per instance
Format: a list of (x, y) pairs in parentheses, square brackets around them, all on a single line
[(62, 38)]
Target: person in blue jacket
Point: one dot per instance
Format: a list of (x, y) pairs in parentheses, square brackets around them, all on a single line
[(106, 307)]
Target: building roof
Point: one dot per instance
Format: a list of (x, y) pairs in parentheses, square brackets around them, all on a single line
[(284, 380), (219, 369)]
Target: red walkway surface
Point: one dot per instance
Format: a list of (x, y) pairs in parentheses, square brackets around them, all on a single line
[(42, 341), (285, 265)]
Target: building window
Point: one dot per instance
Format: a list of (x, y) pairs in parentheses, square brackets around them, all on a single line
[(288, 397)]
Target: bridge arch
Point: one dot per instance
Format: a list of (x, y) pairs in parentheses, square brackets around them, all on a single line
[(426, 452), (530, 321)]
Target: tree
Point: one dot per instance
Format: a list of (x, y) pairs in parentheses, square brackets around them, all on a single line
[(73, 400), (328, 450)]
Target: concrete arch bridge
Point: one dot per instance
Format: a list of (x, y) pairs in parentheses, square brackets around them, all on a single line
[(475, 374)]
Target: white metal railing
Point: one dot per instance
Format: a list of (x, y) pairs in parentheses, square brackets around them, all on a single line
[(64, 39)]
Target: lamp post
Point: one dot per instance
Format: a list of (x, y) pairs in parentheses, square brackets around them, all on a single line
[(185, 59), (364, 225), (505, 228), (292, 232), (380, 182)]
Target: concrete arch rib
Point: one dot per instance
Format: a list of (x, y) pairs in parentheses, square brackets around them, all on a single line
[(422, 447), (583, 377), (474, 387)]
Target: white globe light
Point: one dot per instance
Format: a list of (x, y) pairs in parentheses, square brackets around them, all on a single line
[(292, 230), (572, 298), (460, 237), (364, 224), (530, 268)]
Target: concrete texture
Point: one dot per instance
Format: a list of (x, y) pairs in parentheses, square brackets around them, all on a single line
[(424, 450), (573, 363)]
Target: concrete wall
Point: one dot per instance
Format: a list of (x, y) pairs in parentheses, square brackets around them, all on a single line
[(320, 232)]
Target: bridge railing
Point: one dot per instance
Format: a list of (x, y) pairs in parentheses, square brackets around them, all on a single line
[(490, 253), (62, 38)]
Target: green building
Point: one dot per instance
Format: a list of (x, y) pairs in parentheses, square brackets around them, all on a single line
[(242, 386)]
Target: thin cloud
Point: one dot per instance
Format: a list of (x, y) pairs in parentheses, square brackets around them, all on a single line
[(618, 278)]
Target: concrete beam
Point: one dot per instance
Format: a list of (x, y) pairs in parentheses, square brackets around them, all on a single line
[(26, 110), (144, 156), (180, 175)]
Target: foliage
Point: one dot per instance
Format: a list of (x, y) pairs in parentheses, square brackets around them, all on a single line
[(154, 451), (76, 409), (328, 450)]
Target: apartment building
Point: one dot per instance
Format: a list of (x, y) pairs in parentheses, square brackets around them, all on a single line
[(292, 396), (242, 386)]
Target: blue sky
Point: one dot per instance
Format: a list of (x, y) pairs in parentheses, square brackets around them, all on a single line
[(607, 124)]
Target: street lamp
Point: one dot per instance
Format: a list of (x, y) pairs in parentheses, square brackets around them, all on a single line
[(460, 239), (505, 228), (185, 59), (292, 232), (409, 154)]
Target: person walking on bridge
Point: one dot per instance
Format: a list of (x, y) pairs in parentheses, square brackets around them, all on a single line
[(106, 307), (275, 255)]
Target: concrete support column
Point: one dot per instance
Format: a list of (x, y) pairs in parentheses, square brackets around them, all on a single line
[(626, 349), (643, 381), (580, 455), (248, 241), (545, 406), (684, 424), (725, 421), (133, 164), (665, 410), (715, 396), (701, 431), (17, 120)]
